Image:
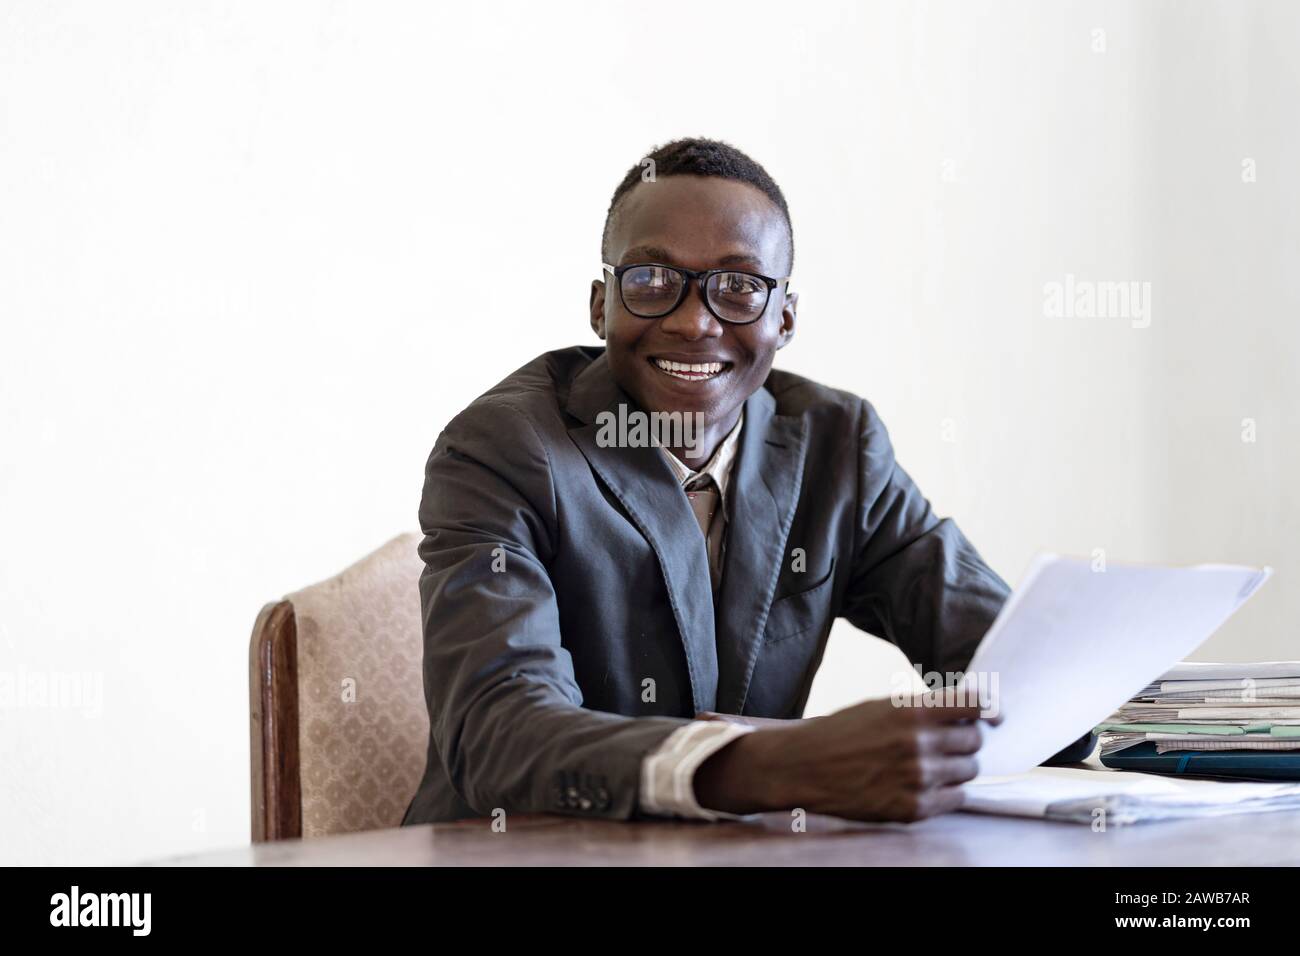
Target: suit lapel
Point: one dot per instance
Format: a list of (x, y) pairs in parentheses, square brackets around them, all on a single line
[(645, 486), (762, 496)]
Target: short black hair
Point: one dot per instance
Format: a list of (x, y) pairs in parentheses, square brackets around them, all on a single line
[(695, 156)]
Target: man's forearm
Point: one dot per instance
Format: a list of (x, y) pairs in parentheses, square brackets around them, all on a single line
[(747, 775)]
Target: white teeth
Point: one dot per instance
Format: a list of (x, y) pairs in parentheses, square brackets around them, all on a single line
[(688, 371)]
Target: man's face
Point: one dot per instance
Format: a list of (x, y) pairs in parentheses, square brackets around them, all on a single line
[(697, 223)]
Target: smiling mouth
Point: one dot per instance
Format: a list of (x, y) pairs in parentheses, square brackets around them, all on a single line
[(691, 371)]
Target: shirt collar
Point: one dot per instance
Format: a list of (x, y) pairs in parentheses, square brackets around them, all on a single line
[(718, 467)]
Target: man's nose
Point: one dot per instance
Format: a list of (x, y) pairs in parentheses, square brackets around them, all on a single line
[(691, 320)]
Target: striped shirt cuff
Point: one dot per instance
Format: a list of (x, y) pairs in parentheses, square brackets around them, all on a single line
[(668, 771)]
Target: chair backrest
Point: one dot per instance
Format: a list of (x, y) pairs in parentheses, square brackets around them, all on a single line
[(338, 721)]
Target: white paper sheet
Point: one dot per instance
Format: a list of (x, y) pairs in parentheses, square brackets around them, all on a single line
[(1074, 795), (1073, 644), (1209, 671)]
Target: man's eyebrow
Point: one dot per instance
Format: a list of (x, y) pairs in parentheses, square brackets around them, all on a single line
[(739, 258), (649, 254), (657, 254)]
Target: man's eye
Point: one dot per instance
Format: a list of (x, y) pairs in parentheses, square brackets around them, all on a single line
[(739, 284), (651, 279)]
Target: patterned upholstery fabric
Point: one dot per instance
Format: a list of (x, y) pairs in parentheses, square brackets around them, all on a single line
[(362, 724)]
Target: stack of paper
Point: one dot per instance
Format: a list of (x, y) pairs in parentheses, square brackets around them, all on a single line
[(1198, 707), (1075, 795)]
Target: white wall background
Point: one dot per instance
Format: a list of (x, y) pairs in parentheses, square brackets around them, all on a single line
[(249, 261)]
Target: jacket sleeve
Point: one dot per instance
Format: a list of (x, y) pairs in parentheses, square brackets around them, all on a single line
[(505, 709), (916, 581)]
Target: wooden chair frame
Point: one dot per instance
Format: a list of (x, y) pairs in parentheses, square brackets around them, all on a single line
[(273, 745)]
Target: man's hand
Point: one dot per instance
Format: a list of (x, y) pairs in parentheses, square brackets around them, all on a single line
[(872, 761)]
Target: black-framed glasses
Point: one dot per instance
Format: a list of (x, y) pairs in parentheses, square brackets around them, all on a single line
[(651, 291)]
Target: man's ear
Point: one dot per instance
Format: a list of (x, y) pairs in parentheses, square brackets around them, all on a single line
[(597, 307), (788, 319)]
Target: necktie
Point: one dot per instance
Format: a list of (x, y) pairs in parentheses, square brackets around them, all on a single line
[(704, 498)]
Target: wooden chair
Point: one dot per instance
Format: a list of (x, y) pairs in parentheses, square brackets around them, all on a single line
[(339, 728)]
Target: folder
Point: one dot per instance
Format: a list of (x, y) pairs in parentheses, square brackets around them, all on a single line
[(1234, 764)]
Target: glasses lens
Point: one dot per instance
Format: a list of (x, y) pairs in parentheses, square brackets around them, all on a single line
[(651, 291), (737, 296)]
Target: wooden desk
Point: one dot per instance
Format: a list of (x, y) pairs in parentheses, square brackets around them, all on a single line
[(957, 839)]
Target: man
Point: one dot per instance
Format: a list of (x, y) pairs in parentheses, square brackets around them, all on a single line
[(607, 623)]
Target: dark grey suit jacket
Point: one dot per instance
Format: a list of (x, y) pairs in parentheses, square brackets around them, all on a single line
[(548, 681)]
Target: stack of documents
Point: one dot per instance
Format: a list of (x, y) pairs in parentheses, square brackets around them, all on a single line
[(1073, 795), (1211, 707)]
